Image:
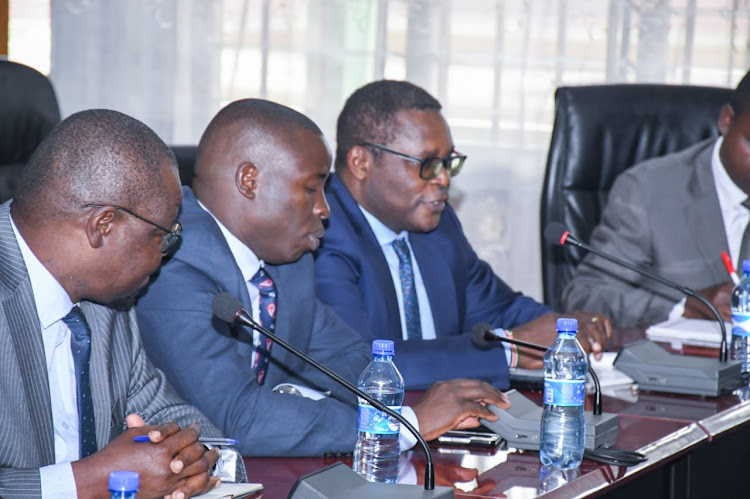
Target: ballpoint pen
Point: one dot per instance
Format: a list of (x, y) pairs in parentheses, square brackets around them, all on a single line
[(203, 440), (730, 268)]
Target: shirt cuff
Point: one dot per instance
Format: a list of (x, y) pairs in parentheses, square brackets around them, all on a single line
[(405, 439), (58, 481), (677, 310), (511, 351)]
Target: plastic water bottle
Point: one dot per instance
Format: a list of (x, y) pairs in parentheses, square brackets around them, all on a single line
[(376, 454), (563, 422), (740, 349), (551, 478), (123, 484)]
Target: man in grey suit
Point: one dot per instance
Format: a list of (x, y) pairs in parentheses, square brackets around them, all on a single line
[(81, 237), (673, 215), (258, 209)]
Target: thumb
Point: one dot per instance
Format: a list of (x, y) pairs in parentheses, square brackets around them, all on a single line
[(134, 421)]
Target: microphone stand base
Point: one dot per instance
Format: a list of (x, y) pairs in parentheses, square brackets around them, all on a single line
[(338, 481)]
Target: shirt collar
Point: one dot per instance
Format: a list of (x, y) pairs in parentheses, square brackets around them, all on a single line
[(244, 256), (51, 300), (729, 194), (383, 234)]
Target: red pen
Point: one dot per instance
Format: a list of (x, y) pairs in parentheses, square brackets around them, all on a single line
[(730, 268)]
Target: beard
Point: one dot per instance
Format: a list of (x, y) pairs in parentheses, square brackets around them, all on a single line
[(126, 302)]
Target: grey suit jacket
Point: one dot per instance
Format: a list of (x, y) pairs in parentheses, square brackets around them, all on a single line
[(123, 380), (663, 215), (209, 362)]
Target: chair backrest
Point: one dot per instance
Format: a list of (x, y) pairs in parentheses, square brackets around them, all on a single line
[(600, 131), (28, 113)]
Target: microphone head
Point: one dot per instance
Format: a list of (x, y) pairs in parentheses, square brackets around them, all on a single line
[(556, 233), (226, 306), (477, 336)]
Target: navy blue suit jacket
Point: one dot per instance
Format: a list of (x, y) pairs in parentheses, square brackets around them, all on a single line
[(352, 276), (207, 363)]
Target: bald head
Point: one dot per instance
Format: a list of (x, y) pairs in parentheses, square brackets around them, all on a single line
[(260, 170), (93, 157)]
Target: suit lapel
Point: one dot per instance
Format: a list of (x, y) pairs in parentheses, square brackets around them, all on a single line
[(441, 292), (703, 208), (23, 323)]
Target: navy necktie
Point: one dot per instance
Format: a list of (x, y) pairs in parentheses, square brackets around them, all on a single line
[(80, 345), (408, 290), (267, 319)]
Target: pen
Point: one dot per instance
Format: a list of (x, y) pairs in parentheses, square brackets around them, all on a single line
[(203, 440), (730, 268)]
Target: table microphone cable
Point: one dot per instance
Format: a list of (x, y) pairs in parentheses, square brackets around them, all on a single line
[(614, 457)]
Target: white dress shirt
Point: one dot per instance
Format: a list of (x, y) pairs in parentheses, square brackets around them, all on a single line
[(52, 304), (249, 264)]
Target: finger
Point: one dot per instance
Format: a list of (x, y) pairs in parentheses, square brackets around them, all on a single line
[(135, 421), (187, 456), (203, 464), (163, 431), (195, 485), (182, 438)]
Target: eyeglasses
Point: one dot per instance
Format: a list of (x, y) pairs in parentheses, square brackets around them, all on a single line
[(428, 167), (168, 240)]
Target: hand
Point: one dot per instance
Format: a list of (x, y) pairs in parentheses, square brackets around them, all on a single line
[(174, 464), (718, 295), (456, 404), (594, 332)]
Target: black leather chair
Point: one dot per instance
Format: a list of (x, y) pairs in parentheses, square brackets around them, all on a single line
[(600, 131), (28, 113)]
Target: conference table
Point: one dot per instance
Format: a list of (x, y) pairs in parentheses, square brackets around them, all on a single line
[(696, 447)]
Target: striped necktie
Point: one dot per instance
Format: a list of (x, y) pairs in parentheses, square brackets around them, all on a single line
[(408, 290)]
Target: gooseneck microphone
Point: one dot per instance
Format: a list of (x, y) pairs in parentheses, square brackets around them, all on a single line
[(229, 309), (483, 336), (556, 233)]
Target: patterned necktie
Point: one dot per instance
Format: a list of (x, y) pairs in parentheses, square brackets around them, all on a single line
[(267, 319), (408, 290), (80, 345), (745, 248)]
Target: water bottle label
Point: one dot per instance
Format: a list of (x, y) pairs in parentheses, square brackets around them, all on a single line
[(741, 324), (564, 392), (372, 420)]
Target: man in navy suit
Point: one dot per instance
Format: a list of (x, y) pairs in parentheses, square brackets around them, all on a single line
[(258, 208), (395, 263)]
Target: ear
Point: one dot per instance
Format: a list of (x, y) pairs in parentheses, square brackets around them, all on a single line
[(359, 162), (100, 224), (247, 179), (726, 118)]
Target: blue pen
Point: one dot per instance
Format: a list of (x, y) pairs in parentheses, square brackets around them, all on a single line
[(203, 440)]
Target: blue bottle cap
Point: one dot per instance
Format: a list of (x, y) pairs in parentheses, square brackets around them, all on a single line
[(567, 325), (382, 347), (123, 481), (746, 266)]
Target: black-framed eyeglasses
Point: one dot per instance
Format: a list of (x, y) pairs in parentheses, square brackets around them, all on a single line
[(428, 167), (168, 240)]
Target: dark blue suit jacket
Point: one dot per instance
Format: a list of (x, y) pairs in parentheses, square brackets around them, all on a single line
[(352, 276), (205, 361)]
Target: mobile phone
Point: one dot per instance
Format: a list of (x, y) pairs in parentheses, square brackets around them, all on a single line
[(470, 438)]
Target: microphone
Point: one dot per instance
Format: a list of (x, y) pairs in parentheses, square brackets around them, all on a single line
[(229, 309), (652, 367), (556, 233), (483, 335), (520, 424)]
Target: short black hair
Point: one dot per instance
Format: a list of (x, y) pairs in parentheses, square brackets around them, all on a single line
[(368, 115), (255, 117), (94, 156), (740, 99)]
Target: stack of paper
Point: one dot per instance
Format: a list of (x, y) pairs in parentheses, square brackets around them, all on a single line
[(684, 331)]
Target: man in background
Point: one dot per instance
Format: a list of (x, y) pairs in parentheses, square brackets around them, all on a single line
[(674, 215), (256, 213), (94, 212), (395, 262)]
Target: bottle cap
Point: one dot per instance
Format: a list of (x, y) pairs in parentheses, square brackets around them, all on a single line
[(382, 347), (123, 481), (567, 325), (746, 266)]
